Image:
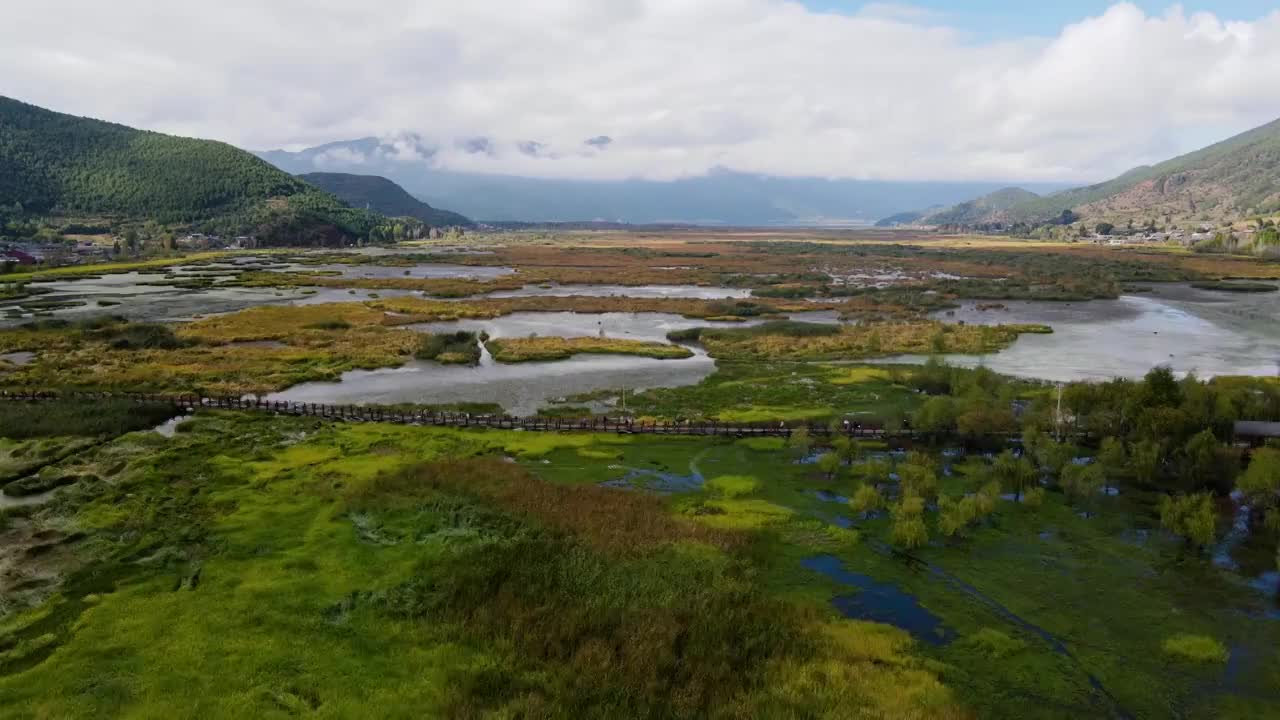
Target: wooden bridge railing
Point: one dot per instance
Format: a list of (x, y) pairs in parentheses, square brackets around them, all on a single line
[(375, 413)]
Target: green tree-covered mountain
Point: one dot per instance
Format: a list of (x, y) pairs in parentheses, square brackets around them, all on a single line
[(52, 164), (381, 195), (1230, 180), (991, 206)]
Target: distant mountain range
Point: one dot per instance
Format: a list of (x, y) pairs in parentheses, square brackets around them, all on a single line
[(985, 209), (720, 197), (383, 196), (1226, 181), (57, 165)]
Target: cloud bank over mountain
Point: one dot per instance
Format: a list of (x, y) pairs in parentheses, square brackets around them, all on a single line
[(655, 89)]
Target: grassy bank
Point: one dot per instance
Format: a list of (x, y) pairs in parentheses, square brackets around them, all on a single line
[(801, 341), (513, 350), (418, 581)]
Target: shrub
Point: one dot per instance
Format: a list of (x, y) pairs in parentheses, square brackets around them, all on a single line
[(866, 499), (1189, 516), (338, 324), (457, 348), (48, 418), (993, 643), (732, 486), (1196, 648)]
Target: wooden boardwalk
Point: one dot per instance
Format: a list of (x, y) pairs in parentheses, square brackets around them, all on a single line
[(375, 413)]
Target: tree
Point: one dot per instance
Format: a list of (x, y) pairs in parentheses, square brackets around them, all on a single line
[(875, 471), (1014, 473), (1082, 482), (851, 451), (1104, 228), (866, 499), (955, 515), (918, 480), (1160, 388), (984, 501), (845, 448), (936, 416), (1190, 516), (1146, 459), (800, 442), (1113, 459), (908, 530), (1034, 497), (1261, 484), (829, 463), (1200, 459)]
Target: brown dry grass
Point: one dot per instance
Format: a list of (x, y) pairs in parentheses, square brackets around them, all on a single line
[(607, 519)]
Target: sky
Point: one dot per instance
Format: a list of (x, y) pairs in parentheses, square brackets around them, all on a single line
[(980, 90)]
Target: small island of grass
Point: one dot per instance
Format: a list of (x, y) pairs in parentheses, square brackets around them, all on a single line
[(513, 350), (456, 348), (1236, 287)]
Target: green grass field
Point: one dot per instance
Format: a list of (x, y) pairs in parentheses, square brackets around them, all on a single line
[(272, 567)]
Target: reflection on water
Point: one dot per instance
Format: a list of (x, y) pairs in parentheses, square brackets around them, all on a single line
[(1209, 333), (434, 271), (521, 388), (631, 326), (638, 291), (880, 602)]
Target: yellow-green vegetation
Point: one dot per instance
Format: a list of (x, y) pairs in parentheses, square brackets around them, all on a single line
[(771, 412), (71, 272), (860, 341), (1196, 648), (740, 513), (428, 310), (732, 486), (512, 350), (856, 375), (457, 348), (764, 444), (994, 644), (256, 351), (258, 567), (284, 322)]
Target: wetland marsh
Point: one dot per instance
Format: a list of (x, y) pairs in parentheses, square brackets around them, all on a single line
[(972, 567)]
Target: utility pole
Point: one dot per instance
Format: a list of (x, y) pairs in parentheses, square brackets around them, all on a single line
[(1058, 417)]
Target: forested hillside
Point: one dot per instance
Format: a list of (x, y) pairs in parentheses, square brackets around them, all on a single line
[(52, 164), (1227, 181), (381, 195)]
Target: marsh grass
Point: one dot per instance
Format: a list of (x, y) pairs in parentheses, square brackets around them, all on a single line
[(513, 350), (605, 518), (1196, 648), (457, 348), (62, 417), (850, 342)]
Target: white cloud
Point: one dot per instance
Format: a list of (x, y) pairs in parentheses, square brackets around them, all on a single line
[(680, 87)]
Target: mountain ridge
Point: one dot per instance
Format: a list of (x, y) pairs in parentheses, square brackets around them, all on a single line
[(722, 197), (384, 196), (61, 165), (1222, 182)]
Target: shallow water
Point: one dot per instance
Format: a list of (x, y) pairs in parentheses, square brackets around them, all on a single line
[(880, 602), (434, 271), (1206, 332), (521, 388), (660, 482), (699, 292), (631, 326), (27, 500), (169, 427)]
